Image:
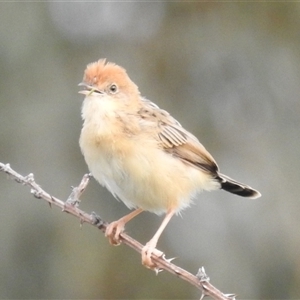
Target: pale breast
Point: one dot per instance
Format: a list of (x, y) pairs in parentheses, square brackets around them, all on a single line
[(142, 175)]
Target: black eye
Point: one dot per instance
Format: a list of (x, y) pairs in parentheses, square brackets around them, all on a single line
[(113, 88)]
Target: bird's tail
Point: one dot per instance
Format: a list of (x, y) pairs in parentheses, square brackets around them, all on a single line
[(237, 188)]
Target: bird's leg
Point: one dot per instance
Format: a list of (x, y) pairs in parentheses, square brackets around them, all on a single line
[(149, 248), (114, 229)]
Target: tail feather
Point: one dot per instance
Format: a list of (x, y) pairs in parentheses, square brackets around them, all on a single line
[(237, 188)]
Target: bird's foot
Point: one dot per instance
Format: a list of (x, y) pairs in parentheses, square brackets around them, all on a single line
[(147, 252), (113, 231)]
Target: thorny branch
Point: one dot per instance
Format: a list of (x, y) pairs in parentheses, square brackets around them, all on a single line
[(71, 206)]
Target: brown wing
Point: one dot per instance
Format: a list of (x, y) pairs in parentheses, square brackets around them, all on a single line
[(176, 140)]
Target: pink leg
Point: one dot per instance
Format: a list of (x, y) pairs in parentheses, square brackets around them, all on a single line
[(149, 248), (114, 229)]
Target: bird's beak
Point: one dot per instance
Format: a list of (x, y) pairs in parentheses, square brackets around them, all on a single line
[(88, 89)]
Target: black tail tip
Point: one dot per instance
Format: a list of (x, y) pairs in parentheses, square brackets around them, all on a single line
[(238, 188)]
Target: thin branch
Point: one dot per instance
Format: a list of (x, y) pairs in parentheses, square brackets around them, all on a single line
[(201, 280)]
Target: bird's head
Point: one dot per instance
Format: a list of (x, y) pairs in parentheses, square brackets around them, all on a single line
[(105, 79)]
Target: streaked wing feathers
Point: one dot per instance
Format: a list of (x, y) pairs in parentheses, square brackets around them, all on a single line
[(170, 135), (176, 140)]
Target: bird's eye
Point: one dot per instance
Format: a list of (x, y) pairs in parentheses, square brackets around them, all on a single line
[(113, 88)]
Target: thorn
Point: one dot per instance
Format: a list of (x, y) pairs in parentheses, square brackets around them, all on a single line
[(201, 275), (169, 260), (231, 296), (178, 272), (52, 199), (157, 270), (50, 204), (202, 296), (81, 222)]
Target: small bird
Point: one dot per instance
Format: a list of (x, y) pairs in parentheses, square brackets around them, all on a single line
[(141, 154)]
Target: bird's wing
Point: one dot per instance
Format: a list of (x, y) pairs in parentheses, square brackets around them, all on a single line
[(175, 140)]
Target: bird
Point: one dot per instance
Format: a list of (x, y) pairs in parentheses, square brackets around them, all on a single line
[(141, 154)]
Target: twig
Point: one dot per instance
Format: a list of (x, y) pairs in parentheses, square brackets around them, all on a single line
[(201, 280)]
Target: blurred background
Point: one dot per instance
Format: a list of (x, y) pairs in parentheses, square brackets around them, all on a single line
[(229, 72)]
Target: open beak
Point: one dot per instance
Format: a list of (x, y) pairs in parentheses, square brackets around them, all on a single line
[(88, 89)]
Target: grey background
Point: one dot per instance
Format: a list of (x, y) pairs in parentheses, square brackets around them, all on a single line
[(229, 72)]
